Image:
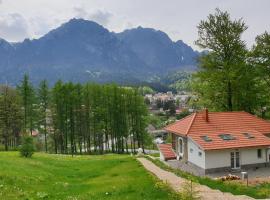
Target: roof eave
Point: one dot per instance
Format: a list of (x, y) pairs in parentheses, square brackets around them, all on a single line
[(226, 148)]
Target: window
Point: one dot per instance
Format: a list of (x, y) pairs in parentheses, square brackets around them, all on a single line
[(180, 145), (227, 137), (191, 150), (206, 138), (235, 159), (248, 135), (200, 154), (259, 153)]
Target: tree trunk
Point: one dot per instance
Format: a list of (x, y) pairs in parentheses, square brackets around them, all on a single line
[(230, 105)]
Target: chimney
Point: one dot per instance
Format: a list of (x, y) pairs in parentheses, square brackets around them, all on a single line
[(205, 115)]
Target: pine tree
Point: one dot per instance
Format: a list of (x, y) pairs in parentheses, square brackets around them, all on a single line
[(27, 93), (10, 116), (43, 96)]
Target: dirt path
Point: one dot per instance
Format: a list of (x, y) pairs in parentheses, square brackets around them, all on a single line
[(206, 193)]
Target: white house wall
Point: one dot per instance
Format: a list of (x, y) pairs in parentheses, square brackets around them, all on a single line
[(249, 156), (222, 158), (217, 158), (193, 154)]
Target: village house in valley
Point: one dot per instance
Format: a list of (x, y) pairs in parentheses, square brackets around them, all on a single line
[(219, 141)]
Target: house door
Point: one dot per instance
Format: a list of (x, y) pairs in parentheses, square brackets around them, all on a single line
[(235, 160)]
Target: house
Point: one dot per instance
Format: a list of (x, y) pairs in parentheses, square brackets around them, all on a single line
[(220, 141)]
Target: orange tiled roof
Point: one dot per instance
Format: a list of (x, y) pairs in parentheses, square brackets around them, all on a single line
[(234, 123), (182, 126), (167, 151), (240, 141)]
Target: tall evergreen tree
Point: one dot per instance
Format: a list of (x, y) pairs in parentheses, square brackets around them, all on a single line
[(10, 116), (43, 97), (28, 102)]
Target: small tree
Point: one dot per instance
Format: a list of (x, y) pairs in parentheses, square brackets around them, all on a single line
[(189, 191), (27, 149)]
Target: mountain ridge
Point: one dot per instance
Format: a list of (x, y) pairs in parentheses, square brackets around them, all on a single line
[(81, 50)]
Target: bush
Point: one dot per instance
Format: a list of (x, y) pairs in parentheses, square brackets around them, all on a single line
[(27, 148), (189, 191), (2, 147)]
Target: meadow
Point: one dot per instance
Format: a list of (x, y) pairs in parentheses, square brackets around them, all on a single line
[(49, 176)]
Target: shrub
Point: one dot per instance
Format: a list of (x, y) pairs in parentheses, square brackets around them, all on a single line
[(189, 191), (2, 147), (27, 148)]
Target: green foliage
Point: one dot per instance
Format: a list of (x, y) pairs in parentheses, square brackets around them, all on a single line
[(145, 90), (179, 80), (259, 57), (28, 96), (182, 114), (156, 155), (27, 148), (168, 139), (43, 99), (10, 116), (48, 176), (76, 118), (225, 80), (165, 187), (189, 191), (156, 121), (87, 116), (2, 147)]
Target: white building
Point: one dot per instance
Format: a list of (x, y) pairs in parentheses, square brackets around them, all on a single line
[(221, 141)]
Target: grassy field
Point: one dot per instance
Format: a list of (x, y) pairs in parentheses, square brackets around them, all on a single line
[(79, 178)]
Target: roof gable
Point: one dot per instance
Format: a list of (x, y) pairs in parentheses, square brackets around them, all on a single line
[(182, 126)]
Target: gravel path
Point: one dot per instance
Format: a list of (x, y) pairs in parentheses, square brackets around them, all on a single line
[(205, 192)]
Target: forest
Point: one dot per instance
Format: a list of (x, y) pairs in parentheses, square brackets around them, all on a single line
[(73, 118)]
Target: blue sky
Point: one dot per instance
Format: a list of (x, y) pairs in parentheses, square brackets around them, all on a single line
[(20, 19)]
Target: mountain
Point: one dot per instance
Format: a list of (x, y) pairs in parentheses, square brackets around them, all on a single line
[(157, 50), (82, 50)]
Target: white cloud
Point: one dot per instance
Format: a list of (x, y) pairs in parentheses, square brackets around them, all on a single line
[(100, 16), (41, 25), (14, 27), (107, 19), (177, 18)]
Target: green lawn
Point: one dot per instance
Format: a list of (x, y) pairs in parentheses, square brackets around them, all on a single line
[(82, 177)]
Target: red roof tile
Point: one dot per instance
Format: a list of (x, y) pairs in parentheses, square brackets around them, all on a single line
[(167, 151), (182, 126), (240, 140), (234, 123)]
